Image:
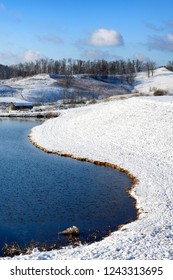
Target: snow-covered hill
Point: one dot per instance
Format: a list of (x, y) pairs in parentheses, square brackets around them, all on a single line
[(43, 88), (161, 79), (39, 88)]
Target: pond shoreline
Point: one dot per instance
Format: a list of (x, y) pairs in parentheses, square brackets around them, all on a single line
[(93, 234), (126, 133), (135, 181), (39, 115)]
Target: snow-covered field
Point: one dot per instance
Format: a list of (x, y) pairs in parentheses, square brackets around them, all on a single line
[(137, 135)]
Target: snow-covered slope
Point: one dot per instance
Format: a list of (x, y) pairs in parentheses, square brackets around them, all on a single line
[(6, 91), (161, 79), (38, 88), (43, 88), (136, 134)]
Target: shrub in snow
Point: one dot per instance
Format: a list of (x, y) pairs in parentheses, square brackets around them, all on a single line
[(160, 92)]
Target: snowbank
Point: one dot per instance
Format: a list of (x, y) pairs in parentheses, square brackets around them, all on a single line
[(136, 134)]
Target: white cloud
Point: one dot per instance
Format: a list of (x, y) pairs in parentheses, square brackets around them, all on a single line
[(9, 58), (170, 37), (105, 37), (161, 43), (29, 56), (141, 57)]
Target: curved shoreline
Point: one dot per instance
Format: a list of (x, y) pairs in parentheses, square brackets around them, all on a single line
[(134, 179), (137, 135)]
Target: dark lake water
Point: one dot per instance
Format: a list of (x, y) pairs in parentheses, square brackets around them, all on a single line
[(42, 194)]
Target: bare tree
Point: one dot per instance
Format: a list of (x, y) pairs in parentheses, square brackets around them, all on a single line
[(150, 66)]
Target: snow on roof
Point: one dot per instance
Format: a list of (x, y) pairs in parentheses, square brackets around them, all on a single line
[(27, 104)]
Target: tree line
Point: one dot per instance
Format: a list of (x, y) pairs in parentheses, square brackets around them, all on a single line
[(70, 66)]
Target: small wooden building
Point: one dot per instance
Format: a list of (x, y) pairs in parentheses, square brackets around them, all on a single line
[(20, 106)]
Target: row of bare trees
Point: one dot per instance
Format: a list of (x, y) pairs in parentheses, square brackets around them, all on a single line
[(70, 66)]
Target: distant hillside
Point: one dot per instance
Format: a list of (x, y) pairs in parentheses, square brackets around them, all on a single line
[(162, 79), (43, 88)]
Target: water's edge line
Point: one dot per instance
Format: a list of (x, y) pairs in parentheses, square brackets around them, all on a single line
[(135, 180)]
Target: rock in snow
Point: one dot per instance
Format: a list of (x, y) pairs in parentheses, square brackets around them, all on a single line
[(71, 231)]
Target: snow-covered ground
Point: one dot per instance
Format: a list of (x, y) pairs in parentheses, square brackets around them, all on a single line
[(161, 79), (137, 135), (8, 100)]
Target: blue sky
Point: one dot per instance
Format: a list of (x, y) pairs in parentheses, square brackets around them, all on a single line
[(91, 29)]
